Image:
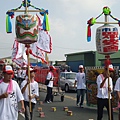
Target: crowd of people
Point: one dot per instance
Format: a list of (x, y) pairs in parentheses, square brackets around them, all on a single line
[(25, 90)]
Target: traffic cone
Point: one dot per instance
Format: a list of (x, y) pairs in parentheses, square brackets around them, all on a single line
[(42, 114), (53, 109), (65, 109), (69, 113)]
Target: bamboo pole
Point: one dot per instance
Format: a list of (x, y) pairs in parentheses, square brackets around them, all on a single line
[(109, 94), (29, 77), (109, 102), (25, 10), (106, 21), (29, 89)]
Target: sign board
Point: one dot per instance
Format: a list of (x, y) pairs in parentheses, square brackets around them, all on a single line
[(91, 76)]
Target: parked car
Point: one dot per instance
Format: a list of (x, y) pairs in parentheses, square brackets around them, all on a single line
[(67, 80)]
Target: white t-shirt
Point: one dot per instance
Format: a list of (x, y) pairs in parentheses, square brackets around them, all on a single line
[(50, 76), (103, 92), (117, 85), (33, 90), (9, 105), (81, 81)]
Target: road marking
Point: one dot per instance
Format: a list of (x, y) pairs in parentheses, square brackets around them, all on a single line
[(70, 97)]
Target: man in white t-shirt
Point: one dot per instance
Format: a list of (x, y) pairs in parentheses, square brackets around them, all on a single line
[(81, 86), (34, 93), (102, 92), (117, 88), (10, 95), (50, 77)]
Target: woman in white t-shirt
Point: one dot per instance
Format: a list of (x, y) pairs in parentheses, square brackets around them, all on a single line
[(50, 77), (34, 93)]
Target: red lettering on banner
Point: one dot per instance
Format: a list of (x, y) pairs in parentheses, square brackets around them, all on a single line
[(109, 35), (110, 41)]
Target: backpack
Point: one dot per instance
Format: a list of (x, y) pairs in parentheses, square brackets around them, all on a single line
[(46, 82)]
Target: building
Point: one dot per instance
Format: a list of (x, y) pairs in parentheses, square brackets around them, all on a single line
[(8, 60), (90, 58)]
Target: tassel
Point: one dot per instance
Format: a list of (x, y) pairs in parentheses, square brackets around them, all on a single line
[(88, 33), (107, 61), (47, 23), (8, 24), (44, 22)]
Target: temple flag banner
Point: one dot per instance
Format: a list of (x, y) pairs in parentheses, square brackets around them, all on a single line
[(44, 41), (19, 53)]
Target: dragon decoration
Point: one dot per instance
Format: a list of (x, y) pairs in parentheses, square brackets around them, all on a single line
[(30, 31)]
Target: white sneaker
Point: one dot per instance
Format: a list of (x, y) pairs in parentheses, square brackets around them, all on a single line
[(77, 104), (50, 101), (47, 102)]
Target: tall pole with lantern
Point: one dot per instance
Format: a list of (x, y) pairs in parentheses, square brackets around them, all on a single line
[(106, 40), (27, 28)]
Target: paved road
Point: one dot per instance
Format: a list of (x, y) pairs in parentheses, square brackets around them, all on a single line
[(85, 113)]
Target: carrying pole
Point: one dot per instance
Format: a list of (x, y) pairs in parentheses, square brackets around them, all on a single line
[(109, 92), (109, 101), (29, 89), (28, 58)]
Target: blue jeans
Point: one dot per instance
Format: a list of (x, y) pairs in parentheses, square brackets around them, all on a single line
[(80, 94)]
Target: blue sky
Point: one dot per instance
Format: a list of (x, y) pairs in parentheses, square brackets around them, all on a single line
[(68, 23)]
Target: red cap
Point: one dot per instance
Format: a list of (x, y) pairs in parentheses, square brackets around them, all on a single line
[(111, 67), (8, 69)]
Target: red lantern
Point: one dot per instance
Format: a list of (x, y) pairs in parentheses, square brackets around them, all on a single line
[(107, 39)]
